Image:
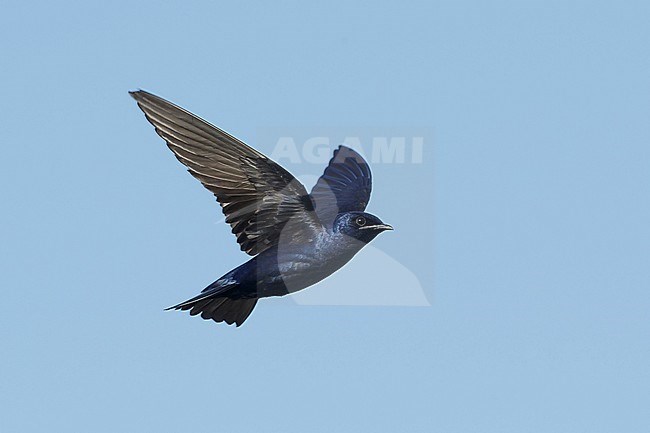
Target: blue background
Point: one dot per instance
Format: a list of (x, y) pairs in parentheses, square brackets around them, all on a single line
[(527, 223)]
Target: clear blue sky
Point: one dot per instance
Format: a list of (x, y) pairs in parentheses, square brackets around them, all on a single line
[(526, 224)]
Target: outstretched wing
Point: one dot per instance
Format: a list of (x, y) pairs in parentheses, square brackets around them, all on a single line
[(257, 196), (344, 186)]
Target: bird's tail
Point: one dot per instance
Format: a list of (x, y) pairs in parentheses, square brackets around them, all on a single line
[(218, 307)]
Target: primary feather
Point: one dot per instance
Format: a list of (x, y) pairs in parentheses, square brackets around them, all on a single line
[(257, 196)]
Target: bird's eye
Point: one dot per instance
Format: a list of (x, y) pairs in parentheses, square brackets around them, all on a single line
[(361, 221)]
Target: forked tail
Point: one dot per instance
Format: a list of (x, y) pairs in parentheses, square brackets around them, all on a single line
[(218, 307)]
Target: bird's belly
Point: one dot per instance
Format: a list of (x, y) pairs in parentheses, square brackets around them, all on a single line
[(280, 271), (299, 272)]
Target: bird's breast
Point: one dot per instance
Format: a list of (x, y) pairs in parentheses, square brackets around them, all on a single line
[(302, 268)]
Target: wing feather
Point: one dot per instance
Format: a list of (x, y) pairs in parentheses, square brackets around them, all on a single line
[(344, 186), (257, 196)]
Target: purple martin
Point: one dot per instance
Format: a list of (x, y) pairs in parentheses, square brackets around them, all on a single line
[(296, 239)]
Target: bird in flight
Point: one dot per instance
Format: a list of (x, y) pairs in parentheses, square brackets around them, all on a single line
[(296, 239)]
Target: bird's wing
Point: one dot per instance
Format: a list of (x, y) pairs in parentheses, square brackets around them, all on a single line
[(344, 186), (257, 196)]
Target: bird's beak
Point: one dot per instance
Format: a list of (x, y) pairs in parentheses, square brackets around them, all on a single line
[(379, 227)]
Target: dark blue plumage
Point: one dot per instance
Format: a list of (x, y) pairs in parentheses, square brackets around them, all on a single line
[(297, 239)]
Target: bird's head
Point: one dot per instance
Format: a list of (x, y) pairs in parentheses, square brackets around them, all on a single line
[(359, 225)]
